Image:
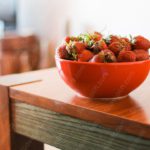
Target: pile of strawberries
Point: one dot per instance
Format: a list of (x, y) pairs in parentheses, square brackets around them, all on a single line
[(93, 47)]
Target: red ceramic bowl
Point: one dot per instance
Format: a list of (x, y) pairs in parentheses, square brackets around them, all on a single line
[(103, 80)]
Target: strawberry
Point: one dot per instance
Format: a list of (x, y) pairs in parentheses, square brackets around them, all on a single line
[(126, 43), (109, 55), (104, 56), (95, 48), (98, 36), (103, 45), (116, 47), (67, 39), (73, 38), (97, 58), (141, 54), (126, 56), (61, 52), (85, 55), (114, 38), (122, 44), (141, 43), (125, 39), (79, 46)]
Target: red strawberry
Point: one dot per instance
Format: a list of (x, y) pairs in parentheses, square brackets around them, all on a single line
[(109, 55), (85, 55), (95, 48), (114, 38), (141, 54), (67, 39), (98, 58), (61, 52), (104, 56), (98, 36), (126, 43), (141, 43), (116, 47), (123, 44), (73, 38), (79, 46), (126, 56), (125, 39), (103, 45)]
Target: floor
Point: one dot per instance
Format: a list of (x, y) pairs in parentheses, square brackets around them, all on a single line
[(47, 147)]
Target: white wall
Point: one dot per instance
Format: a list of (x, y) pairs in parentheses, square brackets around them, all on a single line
[(47, 17), (113, 16)]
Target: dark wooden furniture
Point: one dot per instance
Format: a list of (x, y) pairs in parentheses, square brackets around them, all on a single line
[(19, 53), (41, 107)]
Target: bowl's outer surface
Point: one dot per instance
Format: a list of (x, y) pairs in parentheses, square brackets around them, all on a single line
[(103, 80)]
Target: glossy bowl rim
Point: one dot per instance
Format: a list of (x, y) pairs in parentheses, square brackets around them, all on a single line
[(97, 63)]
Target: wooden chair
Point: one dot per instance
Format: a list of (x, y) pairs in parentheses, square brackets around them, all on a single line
[(19, 54)]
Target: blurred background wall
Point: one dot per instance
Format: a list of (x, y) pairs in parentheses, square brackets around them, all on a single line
[(47, 17), (113, 16)]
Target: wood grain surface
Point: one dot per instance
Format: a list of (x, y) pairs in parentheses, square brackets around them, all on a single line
[(8, 139), (22, 78), (5, 139), (68, 133), (129, 115)]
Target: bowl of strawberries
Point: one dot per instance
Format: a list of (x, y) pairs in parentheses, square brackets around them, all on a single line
[(106, 68)]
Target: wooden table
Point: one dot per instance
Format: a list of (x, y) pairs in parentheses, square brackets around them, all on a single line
[(38, 107)]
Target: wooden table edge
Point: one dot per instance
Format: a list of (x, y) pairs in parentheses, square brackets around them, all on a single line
[(5, 126), (4, 118), (128, 126)]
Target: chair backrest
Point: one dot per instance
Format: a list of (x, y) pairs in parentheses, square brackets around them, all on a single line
[(19, 54)]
